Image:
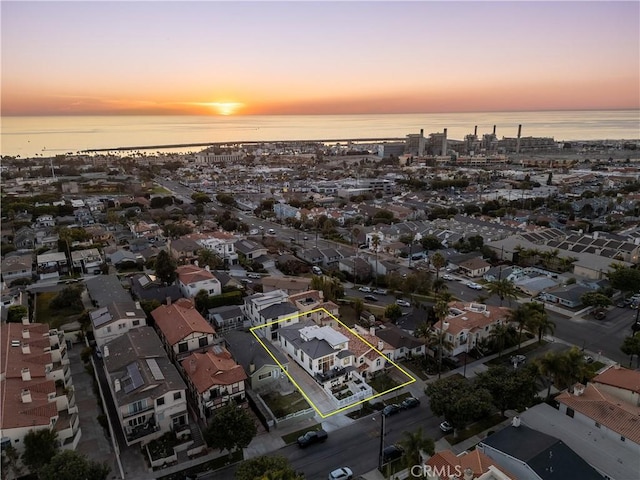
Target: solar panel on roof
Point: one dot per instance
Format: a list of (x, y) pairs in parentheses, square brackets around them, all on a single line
[(143, 281), (155, 369), (133, 373), (100, 317)]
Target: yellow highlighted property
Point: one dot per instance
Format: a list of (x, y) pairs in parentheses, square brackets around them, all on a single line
[(311, 383)]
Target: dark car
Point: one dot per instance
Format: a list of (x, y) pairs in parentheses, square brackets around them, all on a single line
[(391, 409), (410, 402), (391, 453), (314, 436)]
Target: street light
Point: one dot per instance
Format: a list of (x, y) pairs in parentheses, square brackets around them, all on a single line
[(381, 453), (445, 327)]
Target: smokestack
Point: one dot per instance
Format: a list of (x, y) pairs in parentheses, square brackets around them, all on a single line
[(105, 351), (444, 142), (494, 129), (518, 141), (475, 131)]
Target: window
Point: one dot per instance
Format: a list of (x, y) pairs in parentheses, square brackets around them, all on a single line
[(108, 329), (121, 326), (377, 362), (177, 395), (202, 341), (361, 360), (597, 425), (182, 347), (160, 401), (264, 375), (138, 406), (136, 323), (570, 412)]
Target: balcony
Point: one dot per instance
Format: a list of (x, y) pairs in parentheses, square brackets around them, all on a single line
[(138, 412), (136, 434)]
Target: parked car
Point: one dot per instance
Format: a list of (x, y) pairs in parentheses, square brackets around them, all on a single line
[(254, 275), (254, 231), (588, 359), (474, 286), (391, 409), (446, 427), (271, 231), (365, 289), (343, 473), (371, 298), (380, 291), (316, 270), (311, 437), (517, 359), (402, 303), (410, 402), (447, 277), (392, 452)]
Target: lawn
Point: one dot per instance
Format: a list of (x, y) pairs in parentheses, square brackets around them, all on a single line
[(56, 318), (504, 360), (476, 428), (214, 464), (157, 189), (283, 405), (382, 382), (290, 438)]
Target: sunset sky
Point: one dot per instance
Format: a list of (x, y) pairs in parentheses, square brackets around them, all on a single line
[(206, 57)]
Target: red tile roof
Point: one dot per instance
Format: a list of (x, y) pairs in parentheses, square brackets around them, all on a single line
[(207, 370), (475, 460), (180, 320), (191, 274), (619, 377), (473, 320)]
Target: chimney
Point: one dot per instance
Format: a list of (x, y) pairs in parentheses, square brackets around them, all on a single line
[(168, 301), (192, 365), (105, 351), (252, 367), (138, 306), (26, 349), (207, 268), (494, 130), (25, 320), (468, 474), (196, 263), (116, 385), (26, 333), (515, 421), (26, 396), (380, 345), (578, 390), (26, 374), (444, 142)]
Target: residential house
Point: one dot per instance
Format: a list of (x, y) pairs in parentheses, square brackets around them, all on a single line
[(149, 394), (467, 324), (36, 385), (251, 250), (474, 267), (312, 306), (182, 329), (122, 259), (221, 243), (511, 273), (265, 309), (330, 257), (369, 351), (105, 289), (356, 267), (227, 318), (24, 239), (51, 265), (148, 287), (116, 319), (289, 285), (214, 379), (403, 344), (144, 229), (46, 239), (263, 369), (533, 286), (184, 250), (86, 261), (472, 465), (313, 256), (534, 455), (191, 279), (567, 296), (45, 221), (610, 403), (16, 266)]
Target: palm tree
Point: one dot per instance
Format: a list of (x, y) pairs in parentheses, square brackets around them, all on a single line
[(503, 288), (438, 261), (375, 243), (439, 285), (414, 444), (539, 320), (519, 316), (550, 365), (499, 335)]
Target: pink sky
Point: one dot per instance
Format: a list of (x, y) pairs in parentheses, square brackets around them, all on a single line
[(206, 57)]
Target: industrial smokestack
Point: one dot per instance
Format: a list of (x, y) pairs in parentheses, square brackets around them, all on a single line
[(444, 142)]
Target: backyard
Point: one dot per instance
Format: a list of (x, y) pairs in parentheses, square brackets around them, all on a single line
[(54, 318), (283, 405)]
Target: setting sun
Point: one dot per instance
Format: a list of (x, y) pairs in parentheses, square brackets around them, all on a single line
[(225, 108)]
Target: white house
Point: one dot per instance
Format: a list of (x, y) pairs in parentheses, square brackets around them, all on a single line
[(191, 279), (86, 260), (116, 319)]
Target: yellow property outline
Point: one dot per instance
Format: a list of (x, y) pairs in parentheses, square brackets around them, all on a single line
[(297, 315)]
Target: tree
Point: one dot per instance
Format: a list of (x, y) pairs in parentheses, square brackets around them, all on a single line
[(595, 299), (71, 465), (539, 321), (358, 307), (503, 288), (16, 312), (10, 462), (519, 316), (69, 298), (375, 244), (231, 428), (331, 287), (458, 401), (509, 389), (499, 335), (165, 267), (631, 346), (393, 312), (261, 467), (207, 258), (438, 261), (625, 279), (40, 446), (414, 444), (549, 365), (201, 301)]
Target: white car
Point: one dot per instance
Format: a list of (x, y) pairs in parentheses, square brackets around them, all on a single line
[(365, 289), (343, 473), (474, 286), (254, 231), (448, 277), (402, 303)]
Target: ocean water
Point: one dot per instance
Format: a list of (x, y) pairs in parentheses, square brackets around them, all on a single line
[(46, 136)]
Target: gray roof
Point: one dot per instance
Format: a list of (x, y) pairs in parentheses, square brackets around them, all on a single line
[(116, 311), (396, 337), (246, 349), (571, 293), (127, 361), (105, 289), (226, 312), (278, 310), (314, 348), (549, 457), (607, 455)]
